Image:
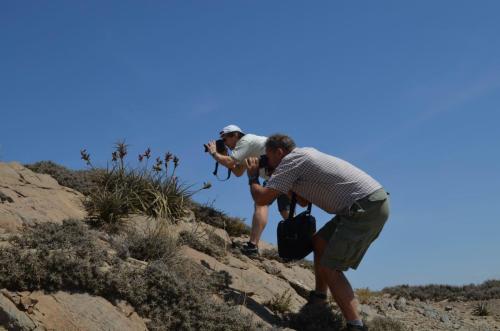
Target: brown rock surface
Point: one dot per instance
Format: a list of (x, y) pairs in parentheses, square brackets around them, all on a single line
[(27, 197), (64, 311)]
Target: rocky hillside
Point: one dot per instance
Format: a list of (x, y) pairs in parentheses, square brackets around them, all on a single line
[(58, 273)]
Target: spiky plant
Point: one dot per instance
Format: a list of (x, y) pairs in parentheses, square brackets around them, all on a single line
[(280, 303), (108, 207), (122, 190), (481, 309)]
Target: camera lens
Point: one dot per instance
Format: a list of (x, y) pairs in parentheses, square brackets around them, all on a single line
[(263, 161)]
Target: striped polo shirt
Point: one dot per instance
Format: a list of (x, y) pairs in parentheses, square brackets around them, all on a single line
[(324, 180)]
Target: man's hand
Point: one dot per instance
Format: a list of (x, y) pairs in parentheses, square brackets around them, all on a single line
[(212, 147), (252, 166)]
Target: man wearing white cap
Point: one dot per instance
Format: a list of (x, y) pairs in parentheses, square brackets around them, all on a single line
[(244, 146)]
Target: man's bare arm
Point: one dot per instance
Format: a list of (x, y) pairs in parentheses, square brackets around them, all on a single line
[(300, 200), (225, 160), (263, 195), (230, 163), (239, 170)]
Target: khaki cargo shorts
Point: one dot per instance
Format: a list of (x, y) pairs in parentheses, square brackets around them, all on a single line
[(350, 235)]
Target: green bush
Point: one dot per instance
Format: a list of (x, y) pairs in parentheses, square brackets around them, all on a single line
[(488, 290), (81, 180), (173, 296)]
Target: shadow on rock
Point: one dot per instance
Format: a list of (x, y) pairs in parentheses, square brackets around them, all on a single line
[(258, 309)]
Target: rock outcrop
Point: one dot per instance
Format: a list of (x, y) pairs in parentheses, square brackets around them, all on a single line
[(65, 311), (27, 198)]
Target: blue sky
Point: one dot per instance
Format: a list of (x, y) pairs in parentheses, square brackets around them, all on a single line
[(407, 91)]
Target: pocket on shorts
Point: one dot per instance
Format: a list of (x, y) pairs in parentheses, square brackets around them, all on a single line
[(346, 246), (378, 195)]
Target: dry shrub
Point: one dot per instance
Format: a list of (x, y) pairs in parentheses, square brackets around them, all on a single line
[(172, 296), (234, 226), (316, 318), (154, 243), (364, 295), (488, 290), (177, 299), (51, 256), (209, 244), (80, 180), (385, 324), (280, 303)]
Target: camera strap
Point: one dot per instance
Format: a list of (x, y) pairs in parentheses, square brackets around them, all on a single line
[(293, 204), (217, 169)]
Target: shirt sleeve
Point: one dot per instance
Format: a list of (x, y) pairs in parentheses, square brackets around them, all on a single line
[(286, 174), (241, 151)]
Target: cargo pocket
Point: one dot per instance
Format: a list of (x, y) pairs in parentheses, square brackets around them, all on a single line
[(344, 248), (378, 195)]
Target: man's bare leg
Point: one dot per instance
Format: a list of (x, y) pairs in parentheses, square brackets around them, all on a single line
[(342, 293), (259, 222), (319, 245)]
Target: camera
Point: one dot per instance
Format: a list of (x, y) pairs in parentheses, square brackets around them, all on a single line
[(219, 146), (263, 162)]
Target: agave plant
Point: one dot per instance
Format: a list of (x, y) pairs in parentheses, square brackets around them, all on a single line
[(481, 309), (123, 190)]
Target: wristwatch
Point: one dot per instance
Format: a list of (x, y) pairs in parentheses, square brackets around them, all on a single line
[(253, 180)]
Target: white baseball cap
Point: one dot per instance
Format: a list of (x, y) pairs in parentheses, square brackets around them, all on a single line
[(230, 128)]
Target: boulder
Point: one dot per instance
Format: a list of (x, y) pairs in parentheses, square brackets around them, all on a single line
[(65, 311), (27, 198)]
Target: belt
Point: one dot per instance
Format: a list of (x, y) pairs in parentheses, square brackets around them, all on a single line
[(360, 205)]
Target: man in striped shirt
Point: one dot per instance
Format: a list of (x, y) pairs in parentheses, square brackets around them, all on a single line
[(359, 202)]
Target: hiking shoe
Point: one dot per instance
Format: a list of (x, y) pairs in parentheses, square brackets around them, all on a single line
[(249, 250), (316, 298)]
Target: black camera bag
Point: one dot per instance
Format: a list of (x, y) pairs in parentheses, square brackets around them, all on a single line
[(295, 233)]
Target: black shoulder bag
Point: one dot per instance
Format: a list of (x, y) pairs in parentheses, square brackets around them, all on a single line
[(295, 233)]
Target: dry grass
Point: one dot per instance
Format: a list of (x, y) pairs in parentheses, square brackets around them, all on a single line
[(280, 303), (385, 324), (364, 295)]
